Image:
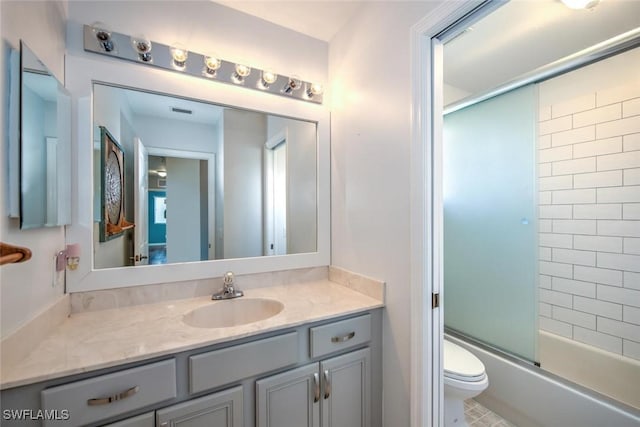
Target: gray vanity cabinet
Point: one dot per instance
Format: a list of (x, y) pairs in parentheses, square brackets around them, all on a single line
[(322, 374), (332, 393), (223, 409), (144, 420), (346, 390), (98, 398), (290, 399)]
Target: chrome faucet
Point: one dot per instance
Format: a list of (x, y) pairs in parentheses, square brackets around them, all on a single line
[(228, 290)]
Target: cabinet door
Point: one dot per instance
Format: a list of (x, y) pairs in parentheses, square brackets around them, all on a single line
[(345, 390), (144, 420), (290, 399), (223, 409)]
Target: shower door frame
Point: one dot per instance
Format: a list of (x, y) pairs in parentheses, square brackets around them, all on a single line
[(427, 321)]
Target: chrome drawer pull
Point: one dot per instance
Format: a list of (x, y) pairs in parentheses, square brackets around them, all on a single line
[(344, 338), (114, 398), (327, 385), (316, 381)]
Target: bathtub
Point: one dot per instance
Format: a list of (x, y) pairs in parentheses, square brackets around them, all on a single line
[(530, 397), (607, 373)]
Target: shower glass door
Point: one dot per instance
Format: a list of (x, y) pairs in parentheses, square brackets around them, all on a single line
[(490, 222)]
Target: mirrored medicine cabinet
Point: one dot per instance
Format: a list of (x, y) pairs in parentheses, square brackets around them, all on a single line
[(44, 146)]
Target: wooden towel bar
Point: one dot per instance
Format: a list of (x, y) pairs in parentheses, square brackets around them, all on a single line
[(11, 254)]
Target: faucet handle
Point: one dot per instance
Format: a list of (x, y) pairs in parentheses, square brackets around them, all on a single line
[(228, 278), (228, 290)]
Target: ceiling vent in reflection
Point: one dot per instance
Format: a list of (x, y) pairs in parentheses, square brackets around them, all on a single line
[(181, 110), (581, 4)]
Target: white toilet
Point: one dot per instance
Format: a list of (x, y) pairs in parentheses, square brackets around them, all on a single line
[(464, 378)]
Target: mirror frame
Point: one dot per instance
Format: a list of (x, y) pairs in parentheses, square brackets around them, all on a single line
[(82, 72)]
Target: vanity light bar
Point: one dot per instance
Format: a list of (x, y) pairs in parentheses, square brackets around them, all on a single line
[(178, 59)]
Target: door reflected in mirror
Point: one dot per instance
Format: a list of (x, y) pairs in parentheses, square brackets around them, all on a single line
[(45, 156), (204, 181)]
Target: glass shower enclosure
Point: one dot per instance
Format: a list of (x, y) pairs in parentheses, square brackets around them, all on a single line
[(490, 222)]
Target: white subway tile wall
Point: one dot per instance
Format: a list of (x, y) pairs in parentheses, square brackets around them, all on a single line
[(631, 142), (632, 280), (599, 147), (589, 227)]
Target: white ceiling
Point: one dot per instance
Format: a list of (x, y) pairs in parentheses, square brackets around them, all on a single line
[(320, 19), (524, 35)]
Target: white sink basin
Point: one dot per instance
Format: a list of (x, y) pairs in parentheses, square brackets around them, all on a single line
[(234, 312)]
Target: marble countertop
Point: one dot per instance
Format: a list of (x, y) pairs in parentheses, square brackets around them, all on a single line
[(99, 339)]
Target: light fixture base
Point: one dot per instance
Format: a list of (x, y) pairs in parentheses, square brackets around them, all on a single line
[(161, 57)]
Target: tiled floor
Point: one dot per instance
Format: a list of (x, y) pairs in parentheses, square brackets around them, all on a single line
[(479, 416)]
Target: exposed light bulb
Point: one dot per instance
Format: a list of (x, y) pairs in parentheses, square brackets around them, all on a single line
[(162, 174), (243, 70), (314, 89), (143, 46), (293, 84), (103, 36), (180, 55), (240, 73), (211, 65), (580, 4), (268, 78)]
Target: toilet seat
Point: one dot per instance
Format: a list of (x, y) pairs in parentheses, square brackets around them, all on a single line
[(460, 364)]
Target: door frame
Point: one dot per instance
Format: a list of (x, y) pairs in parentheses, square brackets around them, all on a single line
[(139, 149), (427, 324), (268, 220), (211, 178)]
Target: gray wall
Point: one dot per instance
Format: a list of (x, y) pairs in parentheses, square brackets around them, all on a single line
[(301, 182), (244, 137), (111, 110), (183, 210)]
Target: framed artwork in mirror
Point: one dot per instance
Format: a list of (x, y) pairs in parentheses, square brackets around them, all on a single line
[(112, 222)]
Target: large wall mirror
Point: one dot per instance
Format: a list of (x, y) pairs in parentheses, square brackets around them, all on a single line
[(177, 180), (45, 139)]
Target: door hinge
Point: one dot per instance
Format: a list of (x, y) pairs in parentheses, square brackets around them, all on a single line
[(435, 300)]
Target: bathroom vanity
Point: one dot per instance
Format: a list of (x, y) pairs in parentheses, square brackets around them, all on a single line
[(315, 363)]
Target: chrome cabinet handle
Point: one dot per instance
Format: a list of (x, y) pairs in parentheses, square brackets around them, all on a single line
[(113, 398), (327, 384), (316, 381), (344, 338)]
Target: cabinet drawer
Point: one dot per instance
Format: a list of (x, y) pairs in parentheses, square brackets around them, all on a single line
[(338, 336), (109, 395), (221, 367)]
